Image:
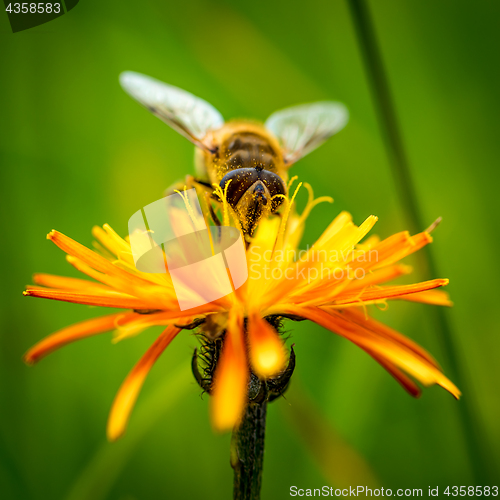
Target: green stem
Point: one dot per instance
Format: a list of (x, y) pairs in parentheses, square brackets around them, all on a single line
[(382, 97), (247, 453)]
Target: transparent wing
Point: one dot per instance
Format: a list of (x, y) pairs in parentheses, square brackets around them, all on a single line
[(189, 115), (301, 129)]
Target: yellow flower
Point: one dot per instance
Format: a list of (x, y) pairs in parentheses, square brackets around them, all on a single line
[(330, 283)]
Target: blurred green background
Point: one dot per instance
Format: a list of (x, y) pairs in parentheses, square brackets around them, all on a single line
[(76, 151)]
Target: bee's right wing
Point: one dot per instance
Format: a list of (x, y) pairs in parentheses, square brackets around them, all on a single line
[(301, 129), (187, 114)]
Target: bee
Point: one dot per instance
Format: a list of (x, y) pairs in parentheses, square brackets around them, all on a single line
[(248, 160)]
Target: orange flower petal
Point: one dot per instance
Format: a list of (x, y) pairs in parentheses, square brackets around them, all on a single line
[(129, 391), (107, 280), (398, 246), (72, 247), (327, 288), (103, 299), (92, 259), (388, 292), (379, 276), (400, 356), (229, 398), (391, 250), (65, 283), (266, 348), (161, 293), (433, 297), (144, 321), (72, 333), (358, 316), (406, 382)]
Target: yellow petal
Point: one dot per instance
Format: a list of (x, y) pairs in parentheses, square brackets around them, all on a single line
[(266, 348)]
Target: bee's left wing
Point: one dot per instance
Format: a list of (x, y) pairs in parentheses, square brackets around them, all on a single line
[(303, 128), (187, 114)]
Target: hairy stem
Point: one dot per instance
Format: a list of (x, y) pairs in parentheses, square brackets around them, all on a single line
[(247, 452)]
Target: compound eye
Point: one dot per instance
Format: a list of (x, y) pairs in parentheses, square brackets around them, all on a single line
[(241, 179), (275, 185)]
